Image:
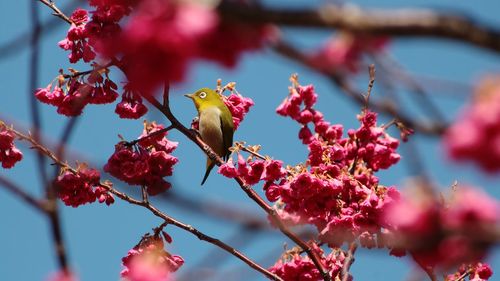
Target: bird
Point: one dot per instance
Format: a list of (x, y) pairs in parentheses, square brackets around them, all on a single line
[(216, 126)]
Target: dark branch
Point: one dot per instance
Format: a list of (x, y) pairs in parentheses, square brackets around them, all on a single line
[(395, 23)]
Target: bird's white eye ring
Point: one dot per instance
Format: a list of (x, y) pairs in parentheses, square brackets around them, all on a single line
[(202, 95)]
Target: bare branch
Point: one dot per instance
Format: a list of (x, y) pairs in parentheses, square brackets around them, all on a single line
[(56, 10)]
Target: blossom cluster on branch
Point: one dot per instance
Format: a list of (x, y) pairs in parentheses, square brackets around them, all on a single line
[(294, 266), (145, 163), (82, 187)]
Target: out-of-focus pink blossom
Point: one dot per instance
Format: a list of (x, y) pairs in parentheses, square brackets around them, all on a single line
[(148, 261), (475, 135), (62, 276), (443, 235), (344, 51)]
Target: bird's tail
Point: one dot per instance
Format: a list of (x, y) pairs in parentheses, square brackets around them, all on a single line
[(210, 166)]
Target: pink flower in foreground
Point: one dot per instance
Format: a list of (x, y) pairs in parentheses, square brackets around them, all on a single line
[(475, 135), (344, 51), (9, 154), (148, 261)]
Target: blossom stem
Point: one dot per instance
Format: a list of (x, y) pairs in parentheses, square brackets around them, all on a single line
[(349, 260), (56, 10), (81, 73), (155, 133)]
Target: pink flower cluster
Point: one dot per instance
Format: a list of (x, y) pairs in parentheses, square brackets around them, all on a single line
[(72, 95), (81, 188), (345, 50), (146, 163), (296, 267), (85, 38), (76, 38), (254, 171), (476, 272), (239, 107), (475, 135), (339, 193), (438, 234), (148, 261), (9, 154), (131, 106)]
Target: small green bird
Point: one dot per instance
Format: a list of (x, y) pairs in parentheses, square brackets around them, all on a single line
[(215, 124)]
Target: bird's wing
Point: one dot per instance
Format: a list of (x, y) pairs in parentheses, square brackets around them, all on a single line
[(226, 121)]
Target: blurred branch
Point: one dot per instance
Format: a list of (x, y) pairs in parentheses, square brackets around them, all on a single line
[(395, 23), (349, 260), (19, 43), (23, 195), (50, 190), (383, 106)]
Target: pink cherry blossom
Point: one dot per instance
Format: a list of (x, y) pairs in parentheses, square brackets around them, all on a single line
[(9, 153)]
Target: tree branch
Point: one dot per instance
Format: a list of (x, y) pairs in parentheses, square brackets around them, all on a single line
[(23, 195), (165, 109), (144, 203), (338, 79), (56, 10), (396, 23)]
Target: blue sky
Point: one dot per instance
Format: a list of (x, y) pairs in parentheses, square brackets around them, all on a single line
[(98, 236)]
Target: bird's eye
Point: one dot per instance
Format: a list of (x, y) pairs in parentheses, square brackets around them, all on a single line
[(202, 95)]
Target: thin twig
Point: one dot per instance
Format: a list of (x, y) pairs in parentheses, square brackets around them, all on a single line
[(56, 10), (349, 260), (371, 71), (23, 195), (150, 135)]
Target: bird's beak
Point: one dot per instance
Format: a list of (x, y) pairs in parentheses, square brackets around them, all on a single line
[(189, 96)]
